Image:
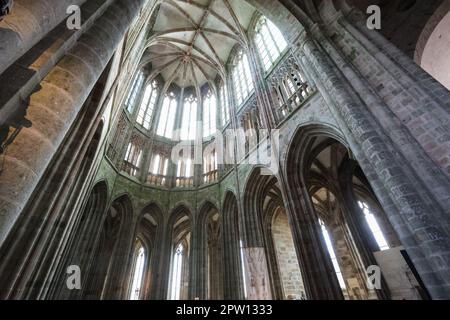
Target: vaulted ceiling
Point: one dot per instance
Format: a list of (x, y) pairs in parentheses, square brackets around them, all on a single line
[(192, 39)]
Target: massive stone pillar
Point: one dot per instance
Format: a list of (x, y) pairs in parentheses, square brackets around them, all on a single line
[(55, 105), (162, 271), (348, 259), (215, 267), (233, 286), (117, 282), (265, 101), (412, 213)]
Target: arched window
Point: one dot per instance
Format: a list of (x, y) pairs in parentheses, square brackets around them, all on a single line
[(374, 226), (185, 168), (270, 42), (175, 290), (167, 117), (132, 159), (209, 114), (138, 274), (242, 77), (136, 87), (225, 107), (147, 107), (334, 260), (189, 120)]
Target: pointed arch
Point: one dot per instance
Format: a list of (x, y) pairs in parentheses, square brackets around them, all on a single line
[(148, 234)]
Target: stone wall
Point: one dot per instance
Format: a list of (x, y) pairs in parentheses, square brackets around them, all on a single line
[(289, 269)]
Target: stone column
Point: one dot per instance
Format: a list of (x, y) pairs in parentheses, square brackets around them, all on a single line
[(262, 90), (117, 281), (348, 259), (28, 23), (424, 238), (154, 270), (232, 275), (161, 276), (363, 238), (195, 257), (274, 272), (256, 274), (319, 278), (409, 104), (55, 105), (82, 249)]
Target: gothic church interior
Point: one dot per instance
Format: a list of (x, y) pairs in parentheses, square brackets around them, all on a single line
[(225, 150)]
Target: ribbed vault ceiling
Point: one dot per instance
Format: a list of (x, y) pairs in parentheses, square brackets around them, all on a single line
[(192, 40)]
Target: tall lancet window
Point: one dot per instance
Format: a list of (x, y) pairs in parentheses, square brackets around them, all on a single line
[(242, 78), (132, 159), (133, 94), (138, 274), (167, 117), (225, 107), (374, 226), (189, 120), (175, 290), (209, 114), (148, 104), (270, 42), (332, 253)]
